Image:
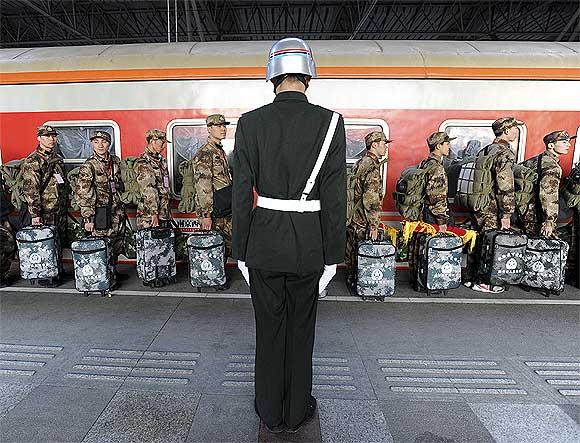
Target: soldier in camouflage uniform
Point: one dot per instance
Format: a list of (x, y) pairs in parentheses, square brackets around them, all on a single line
[(98, 189), (153, 179), (542, 213), (7, 238), (503, 204), (367, 199), (44, 187), (211, 172), (435, 210)]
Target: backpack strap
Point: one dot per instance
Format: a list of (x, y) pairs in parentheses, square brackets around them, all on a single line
[(538, 205)]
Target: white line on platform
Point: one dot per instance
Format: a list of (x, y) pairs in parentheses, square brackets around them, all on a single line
[(340, 298)]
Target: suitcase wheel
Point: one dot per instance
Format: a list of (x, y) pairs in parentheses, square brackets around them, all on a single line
[(86, 293), (380, 298), (364, 298), (546, 293)]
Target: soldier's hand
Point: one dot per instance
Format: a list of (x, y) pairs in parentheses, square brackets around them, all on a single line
[(206, 223), (506, 223), (547, 231), (374, 233), (36, 221), (89, 227), (155, 221), (443, 228)]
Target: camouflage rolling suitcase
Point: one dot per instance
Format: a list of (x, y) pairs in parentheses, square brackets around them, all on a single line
[(206, 251), (502, 257), (438, 262), (156, 256), (93, 265), (375, 269), (38, 253), (545, 265)]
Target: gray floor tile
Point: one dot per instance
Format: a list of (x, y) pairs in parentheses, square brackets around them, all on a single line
[(352, 421), (137, 416), (573, 411), (224, 418), (518, 423), (11, 394), (54, 414), (425, 421)]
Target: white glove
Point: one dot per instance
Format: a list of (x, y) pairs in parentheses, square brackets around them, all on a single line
[(329, 272), (244, 270)]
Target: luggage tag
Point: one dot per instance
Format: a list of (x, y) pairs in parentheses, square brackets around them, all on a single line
[(58, 178), (166, 181), (113, 187)]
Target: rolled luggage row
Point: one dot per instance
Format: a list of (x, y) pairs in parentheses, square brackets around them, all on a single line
[(505, 258)]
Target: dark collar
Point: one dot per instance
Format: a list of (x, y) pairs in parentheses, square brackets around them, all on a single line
[(290, 95), (372, 156)]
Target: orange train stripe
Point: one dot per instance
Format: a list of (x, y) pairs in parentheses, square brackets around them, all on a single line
[(259, 72)]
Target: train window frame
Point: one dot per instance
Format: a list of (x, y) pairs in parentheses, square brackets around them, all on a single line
[(521, 148), (90, 124), (576, 155), (170, 156), (369, 122)]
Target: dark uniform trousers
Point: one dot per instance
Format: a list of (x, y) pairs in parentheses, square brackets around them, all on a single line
[(285, 309), (276, 148)]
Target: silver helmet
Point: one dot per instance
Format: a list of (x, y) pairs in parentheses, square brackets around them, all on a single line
[(290, 56)]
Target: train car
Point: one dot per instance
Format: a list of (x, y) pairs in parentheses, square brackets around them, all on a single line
[(406, 88)]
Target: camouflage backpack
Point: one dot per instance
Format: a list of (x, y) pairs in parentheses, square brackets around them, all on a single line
[(571, 189), (129, 178), (187, 203), (12, 175), (409, 192), (72, 177)]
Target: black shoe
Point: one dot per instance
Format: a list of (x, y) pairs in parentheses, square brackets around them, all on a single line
[(6, 281), (309, 414), (273, 430), (49, 282), (225, 286), (121, 277)]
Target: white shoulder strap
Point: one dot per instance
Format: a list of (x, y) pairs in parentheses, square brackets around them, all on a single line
[(321, 156)]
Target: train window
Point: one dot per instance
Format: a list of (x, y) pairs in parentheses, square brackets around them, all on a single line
[(472, 135), (356, 129), (74, 143), (187, 135)]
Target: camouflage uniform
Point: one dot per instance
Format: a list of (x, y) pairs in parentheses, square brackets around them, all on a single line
[(543, 209), (503, 202), (435, 209), (367, 201), (211, 172), (51, 204), (153, 179), (99, 184)]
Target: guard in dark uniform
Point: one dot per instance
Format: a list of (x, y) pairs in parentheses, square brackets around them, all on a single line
[(292, 241)]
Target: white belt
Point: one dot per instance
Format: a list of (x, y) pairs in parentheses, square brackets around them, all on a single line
[(289, 205)]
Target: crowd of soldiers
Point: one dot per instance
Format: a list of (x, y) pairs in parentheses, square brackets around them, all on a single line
[(99, 186), (539, 218)]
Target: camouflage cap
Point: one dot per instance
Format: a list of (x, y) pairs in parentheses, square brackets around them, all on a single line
[(216, 120), (555, 136), (375, 136), (101, 134), (156, 134), (46, 130), (503, 123), (439, 137)]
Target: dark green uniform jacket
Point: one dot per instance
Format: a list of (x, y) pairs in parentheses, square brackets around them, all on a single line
[(276, 148)]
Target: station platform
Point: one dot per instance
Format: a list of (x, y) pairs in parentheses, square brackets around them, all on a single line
[(171, 365)]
